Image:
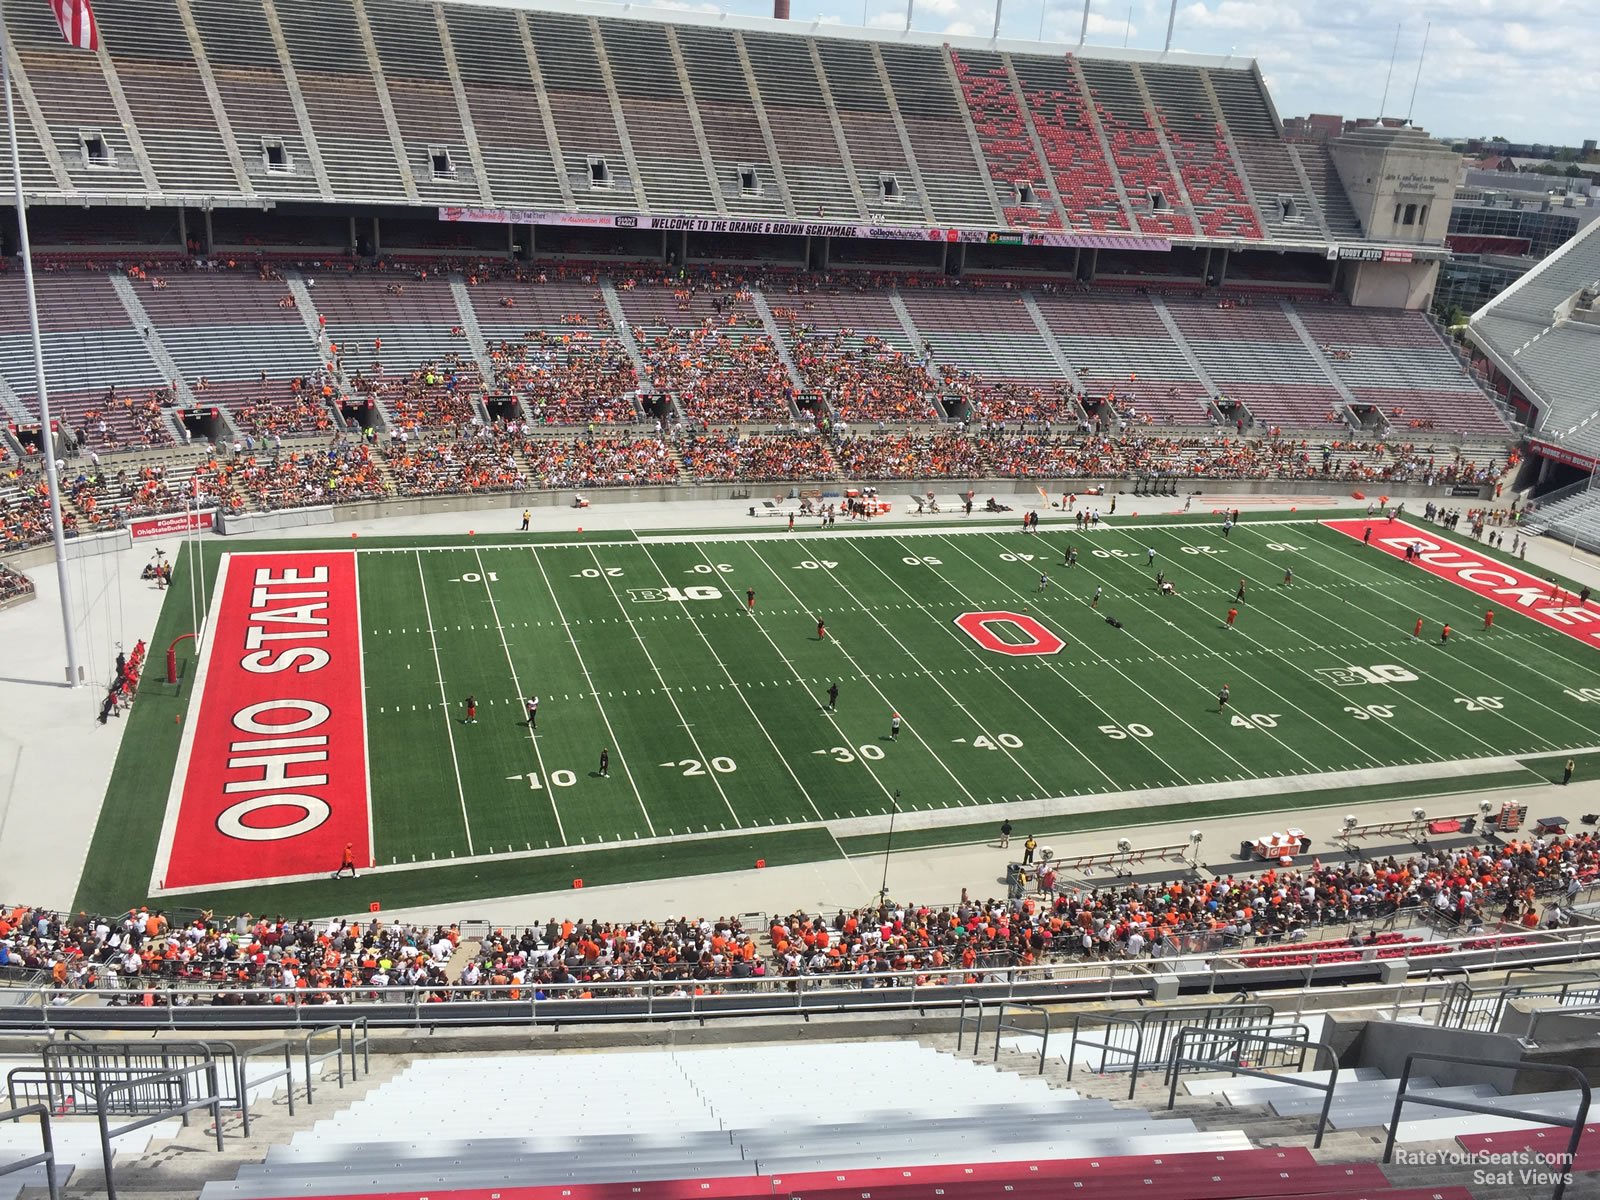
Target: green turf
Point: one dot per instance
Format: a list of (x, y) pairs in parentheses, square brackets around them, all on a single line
[(714, 719)]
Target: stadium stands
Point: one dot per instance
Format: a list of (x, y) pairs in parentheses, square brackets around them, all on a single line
[(1072, 151), (1006, 139), (1397, 362), (1543, 334), (1137, 153), (1254, 357), (1195, 133)]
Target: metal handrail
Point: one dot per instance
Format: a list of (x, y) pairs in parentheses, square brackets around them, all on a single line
[(406, 1006), (962, 1020), (47, 1141), (185, 1105), (337, 1053), (243, 1085), (1000, 1025), (1238, 1036), (1575, 1123)]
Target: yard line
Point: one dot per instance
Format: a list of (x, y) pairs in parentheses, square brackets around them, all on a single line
[(1450, 598), (966, 645), (869, 680), (449, 729), (1288, 593), (1312, 643), (494, 609), (761, 725), (1104, 661), (650, 658), (584, 667), (1239, 668)]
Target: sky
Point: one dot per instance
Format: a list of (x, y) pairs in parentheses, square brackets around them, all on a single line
[(1528, 70)]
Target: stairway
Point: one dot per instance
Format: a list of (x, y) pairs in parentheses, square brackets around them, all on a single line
[(624, 331), (152, 340), (770, 322), (473, 331)]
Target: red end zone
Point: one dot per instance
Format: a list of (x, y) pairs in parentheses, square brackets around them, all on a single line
[(1489, 578), (271, 779)]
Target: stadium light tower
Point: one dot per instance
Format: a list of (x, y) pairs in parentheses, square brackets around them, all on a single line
[(1083, 30), (1172, 19)]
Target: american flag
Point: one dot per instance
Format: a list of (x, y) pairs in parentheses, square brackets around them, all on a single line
[(76, 19)]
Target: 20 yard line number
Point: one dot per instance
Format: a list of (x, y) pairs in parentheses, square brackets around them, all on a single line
[(691, 767)]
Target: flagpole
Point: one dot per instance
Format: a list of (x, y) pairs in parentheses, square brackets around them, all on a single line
[(74, 671)]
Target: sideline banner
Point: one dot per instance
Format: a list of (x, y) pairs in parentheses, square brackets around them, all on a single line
[(271, 779), (802, 227), (171, 524), (1493, 580)]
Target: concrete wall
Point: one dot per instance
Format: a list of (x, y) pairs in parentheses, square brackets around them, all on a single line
[(1392, 285), (1385, 1044), (1385, 168)]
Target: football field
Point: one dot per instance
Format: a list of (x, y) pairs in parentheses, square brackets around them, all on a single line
[(1015, 694)]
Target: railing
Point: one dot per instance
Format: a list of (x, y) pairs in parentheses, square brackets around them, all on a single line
[(1563, 1167), (555, 1005), (1153, 1032), (1235, 1065), (1465, 1006), (184, 1100), (48, 1155)]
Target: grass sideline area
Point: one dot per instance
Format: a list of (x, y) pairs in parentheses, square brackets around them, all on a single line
[(722, 753)]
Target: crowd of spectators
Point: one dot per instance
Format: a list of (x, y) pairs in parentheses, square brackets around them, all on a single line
[(340, 473), (13, 585), (483, 459), (757, 457), (25, 510), (592, 462), (865, 378), (904, 456), (721, 374), (435, 396), (574, 378), (276, 407), (251, 960)]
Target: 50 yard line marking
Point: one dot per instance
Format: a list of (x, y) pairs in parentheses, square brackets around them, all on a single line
[(455, 763), (665, 690), (589, 684), (494, 611), (1105, 660)]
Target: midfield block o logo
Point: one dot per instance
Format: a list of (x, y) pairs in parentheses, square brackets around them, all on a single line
[(979, 626)]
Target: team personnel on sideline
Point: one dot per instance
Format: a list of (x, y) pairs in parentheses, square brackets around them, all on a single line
[(1223, 697), (472, 709), (1366, 538), (1070, 558), (348, 861), (1488, 620), (533, 712), (605, 763), (525, 515)]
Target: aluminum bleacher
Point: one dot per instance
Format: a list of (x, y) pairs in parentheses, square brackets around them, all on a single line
[(1542, 332), (1396, 361), (1119, 345), (986, 332), (1206, 167), (1072, 152), (1255, 357), (90, 349), (1282, 195), (937, 131), (1008, 152), (240, 346), (1136, 153)]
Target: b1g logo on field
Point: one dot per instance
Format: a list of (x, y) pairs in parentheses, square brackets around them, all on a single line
[(981, 628), (678, 595)]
